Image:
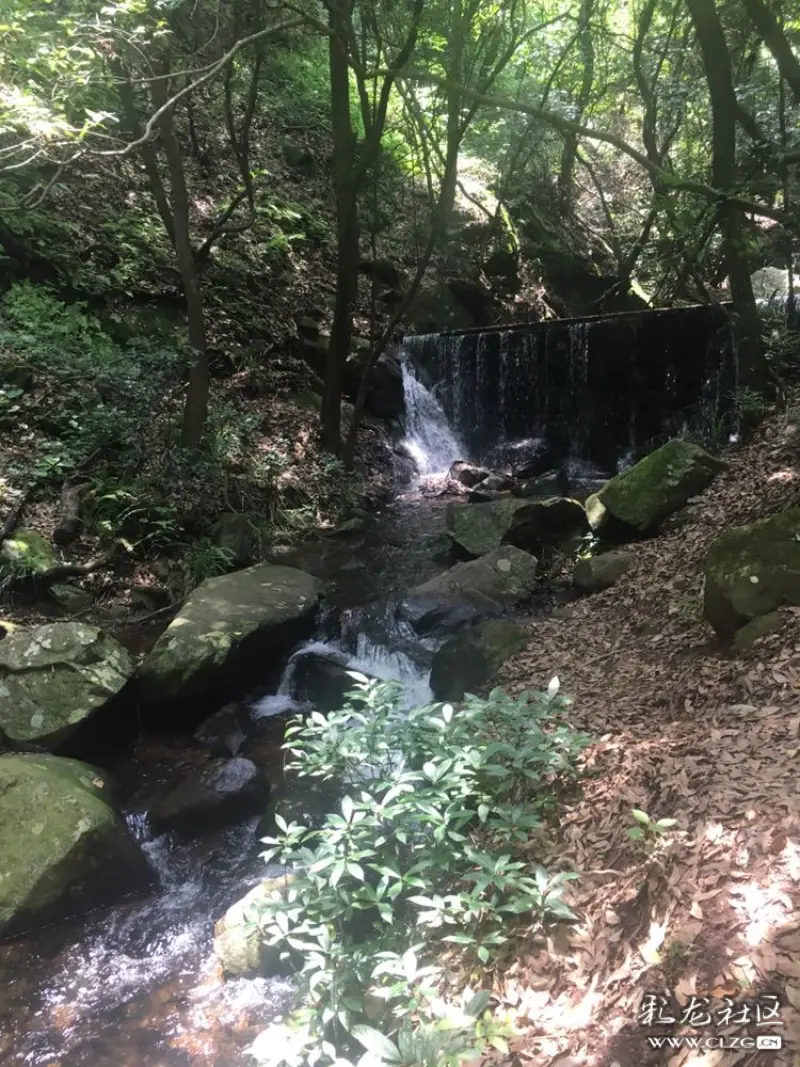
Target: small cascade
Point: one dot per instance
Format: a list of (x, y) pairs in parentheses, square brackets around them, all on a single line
[(428, 439)]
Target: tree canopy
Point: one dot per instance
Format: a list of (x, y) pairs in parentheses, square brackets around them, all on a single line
[(661, 134)]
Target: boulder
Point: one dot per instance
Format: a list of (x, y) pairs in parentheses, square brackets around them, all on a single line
[(658, 485), (506, 577), (476, 529), (467, 473), (217, 794), (544, 525), (496, 483), (320, 677), (385, 391), (238, 944), (231, 629), (468, 661), (752, 570), (28, 552), (224, 732), (63, 847), (54, 677), (239, 537), (437, 614), (544, 486), (601, 572), (381, 270)]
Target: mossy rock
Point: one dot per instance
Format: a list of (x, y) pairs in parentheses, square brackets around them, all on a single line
[(54, 677), (535, 526), (756, 629), (468, 661), (28, 552), (601, 572), (63, 847), (752, 570), (658, 485), (230, 628), (241, 536), (507, 577)]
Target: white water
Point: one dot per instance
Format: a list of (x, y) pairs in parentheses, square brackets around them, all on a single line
[(429, 439), (371, 659)]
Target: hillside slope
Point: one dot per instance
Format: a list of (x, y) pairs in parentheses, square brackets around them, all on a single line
[(687, 730)]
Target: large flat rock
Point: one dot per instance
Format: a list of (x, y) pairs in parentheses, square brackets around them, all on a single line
[(236, 625)]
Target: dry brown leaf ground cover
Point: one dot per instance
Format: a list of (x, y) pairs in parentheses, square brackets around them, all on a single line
[(682, 728)]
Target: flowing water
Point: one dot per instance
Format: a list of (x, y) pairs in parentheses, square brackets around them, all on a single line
[(136, 984)]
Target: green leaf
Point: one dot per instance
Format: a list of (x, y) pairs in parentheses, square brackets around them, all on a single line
[(641, 816), (376, 1042), (477, 1003), (347, 809)]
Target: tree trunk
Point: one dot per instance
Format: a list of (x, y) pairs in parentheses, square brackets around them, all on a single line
[(569, 153), (716, 60), (194, 413), (770, 32), (347, 227)]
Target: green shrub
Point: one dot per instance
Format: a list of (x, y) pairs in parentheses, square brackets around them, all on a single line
[(422, 851)]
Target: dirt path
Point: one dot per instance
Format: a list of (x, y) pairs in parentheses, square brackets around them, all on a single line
[(683, 729)]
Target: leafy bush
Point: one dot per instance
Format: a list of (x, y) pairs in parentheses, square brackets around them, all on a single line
[(436, 799)]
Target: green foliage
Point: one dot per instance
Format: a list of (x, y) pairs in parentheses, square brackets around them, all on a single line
[(203, 559), (649, 831), (435, 802)]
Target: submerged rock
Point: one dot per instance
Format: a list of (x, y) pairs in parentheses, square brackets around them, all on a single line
[(231, 628), (535, 526), (467, 662), (220, 793), (752, 570), (658, 485), (601, 572), (63, 847), (54, 677)]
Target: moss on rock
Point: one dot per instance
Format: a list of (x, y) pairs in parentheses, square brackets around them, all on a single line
[(653, 489), (28, 552), (468, 661), (752, 570), (257, 610), (63, 847), (53, 677), (475, 529)]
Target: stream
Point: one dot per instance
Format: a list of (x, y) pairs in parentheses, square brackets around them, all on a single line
[(136, 984)]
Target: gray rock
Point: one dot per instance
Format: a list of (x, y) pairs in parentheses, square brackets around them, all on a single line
[(467, 474), (220, 793), (507, 576), (601, 572), (63, 847), (224, 732), (468, 661), (54, 677), (226, 624)]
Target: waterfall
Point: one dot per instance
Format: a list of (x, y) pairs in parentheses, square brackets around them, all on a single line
[(580, 391), (428, 438)]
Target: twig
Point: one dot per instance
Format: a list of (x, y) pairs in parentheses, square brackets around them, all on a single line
[(154, 614)]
